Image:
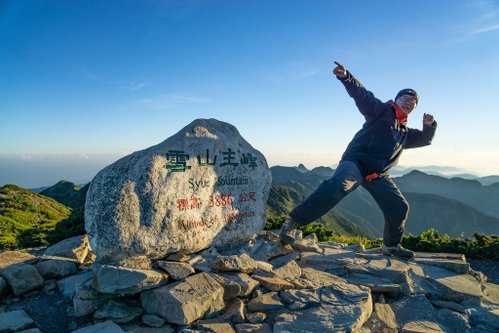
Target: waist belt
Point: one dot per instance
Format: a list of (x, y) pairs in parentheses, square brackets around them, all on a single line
[(372, 176)]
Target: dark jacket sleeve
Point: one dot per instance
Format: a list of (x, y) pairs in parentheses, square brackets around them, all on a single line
[(417, 138), (365, 100)]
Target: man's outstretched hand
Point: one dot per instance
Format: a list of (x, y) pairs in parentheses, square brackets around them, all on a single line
[(339, 70), (428, 119)]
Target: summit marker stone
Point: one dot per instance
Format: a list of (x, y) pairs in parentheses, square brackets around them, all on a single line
[(204, 186)]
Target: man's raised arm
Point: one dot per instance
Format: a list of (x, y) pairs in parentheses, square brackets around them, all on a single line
[(367, 104)]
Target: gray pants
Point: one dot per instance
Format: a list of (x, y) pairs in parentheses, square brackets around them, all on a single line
[(347, 178)]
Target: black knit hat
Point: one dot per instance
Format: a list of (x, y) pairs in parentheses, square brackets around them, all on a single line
[(411, 92)]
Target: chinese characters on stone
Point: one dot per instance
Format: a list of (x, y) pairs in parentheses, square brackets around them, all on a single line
[(219, 200), (178, 160)]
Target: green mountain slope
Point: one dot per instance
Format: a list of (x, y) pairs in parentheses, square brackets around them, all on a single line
[(67, 193), (26, 217)]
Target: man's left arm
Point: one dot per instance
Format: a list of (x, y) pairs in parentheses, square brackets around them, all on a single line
[(417, 138)]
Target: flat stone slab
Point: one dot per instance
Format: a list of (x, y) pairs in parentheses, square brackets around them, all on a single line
[(457, 266), (411, 309), (347, 317), (331, 256), (422, 326), (177, 270), (236, 263), (442, 284), (120, 280), (15, 321), (185, 301), (9, 258), (104, 327), (376, 284), (266, 302), (246, 283), (273, 283)]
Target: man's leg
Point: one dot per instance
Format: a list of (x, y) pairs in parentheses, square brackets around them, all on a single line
[(395, 209), (346, 178)]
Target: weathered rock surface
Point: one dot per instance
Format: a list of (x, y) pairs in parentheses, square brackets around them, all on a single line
[(185, 301), (338, 290), (22, 278), (9, 258), (105, 327), (15, 321), (76, 247), (236, 263), (152, 320), (69, 285), (118, 312), (266, 302), (50, 269), (177, 270), (204, 186), (120, 280)]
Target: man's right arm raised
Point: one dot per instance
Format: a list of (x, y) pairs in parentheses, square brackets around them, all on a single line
[(365, 100)]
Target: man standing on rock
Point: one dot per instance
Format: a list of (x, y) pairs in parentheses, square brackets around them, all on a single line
[(372, 152)]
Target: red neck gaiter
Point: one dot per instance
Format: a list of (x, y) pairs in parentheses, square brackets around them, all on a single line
[(401, 115)]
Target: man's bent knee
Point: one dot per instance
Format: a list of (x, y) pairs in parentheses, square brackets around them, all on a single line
[(402, 209)]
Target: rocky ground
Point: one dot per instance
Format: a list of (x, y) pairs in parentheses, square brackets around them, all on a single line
[(260, 286)]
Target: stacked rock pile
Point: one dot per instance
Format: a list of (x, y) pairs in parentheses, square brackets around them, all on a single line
[(262, 285)]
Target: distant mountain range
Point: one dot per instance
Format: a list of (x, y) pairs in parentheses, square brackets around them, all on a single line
[(454, 206), (435, 170), (451, 205)]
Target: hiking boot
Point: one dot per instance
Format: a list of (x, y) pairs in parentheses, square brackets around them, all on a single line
[(397, 251), (288, 231)]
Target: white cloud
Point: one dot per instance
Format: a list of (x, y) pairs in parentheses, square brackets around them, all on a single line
[(485, 20), (294, 71), (84, 156), (165, 101), (26, 157), (140, 85), (485, 29)]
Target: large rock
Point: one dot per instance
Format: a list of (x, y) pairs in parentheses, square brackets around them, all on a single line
[(185, 301), (55, 269), (22, 278), (236, 263), (69, 285), (120, 280), (15, 321), (203, 186), (76, 247), (344, 308)]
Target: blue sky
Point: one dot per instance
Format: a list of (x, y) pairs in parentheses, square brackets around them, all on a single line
[(85, 82)]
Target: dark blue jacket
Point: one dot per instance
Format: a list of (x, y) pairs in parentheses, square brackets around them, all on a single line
[(378, 145)]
